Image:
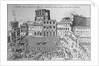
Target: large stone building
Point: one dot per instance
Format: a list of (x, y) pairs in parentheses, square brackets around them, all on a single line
[(43, 26), (14, 33), (49, 28), (81, 28), (64, 27), (35, 29), (84, 33)]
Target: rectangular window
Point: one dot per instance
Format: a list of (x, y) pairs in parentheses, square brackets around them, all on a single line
[(54, 27), (47, 22), (44, 22), (44, 33), (53, 22), (53, 34), (50, 22), (35, 33), (44, 27), (50, 26), (40, 34), (50, 33), (47, 33)]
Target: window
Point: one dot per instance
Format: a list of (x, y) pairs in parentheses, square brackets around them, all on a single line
[(53, 33), (53, 22), (35, 33), (44, 22), (50, 33), (47, 33), (40, 34), (47, 22), (66, 28), (44, 33), (44, 27), (50, 26), (50, 22), (53, 26)]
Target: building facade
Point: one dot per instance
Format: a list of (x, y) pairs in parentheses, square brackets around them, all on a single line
[(84, 33), (49, 28), (81, 28), (43, 26), (24, 29), (35, 29), (14, 33), (63, 27)]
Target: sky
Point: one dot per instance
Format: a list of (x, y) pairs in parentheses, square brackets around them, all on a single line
[(24, 12)]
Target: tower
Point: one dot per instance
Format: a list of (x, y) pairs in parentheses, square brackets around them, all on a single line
[(42, 14), (14, 24)]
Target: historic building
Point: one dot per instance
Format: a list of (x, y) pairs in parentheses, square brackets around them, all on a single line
[(42, 14), (49, 28), (81, 28), (84, 33), (43, 26), (14, 33), (64, 27), (24, 29), (35, 29)]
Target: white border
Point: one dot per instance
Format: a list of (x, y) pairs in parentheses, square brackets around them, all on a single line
[(94, 35)]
